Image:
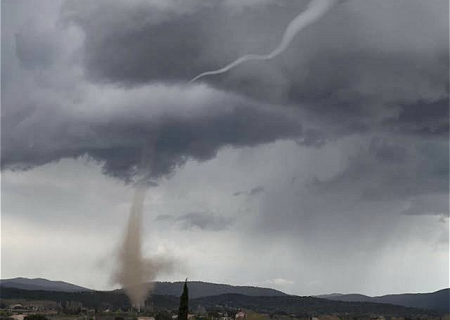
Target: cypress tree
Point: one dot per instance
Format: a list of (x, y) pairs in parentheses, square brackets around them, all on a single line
[(184, 303)]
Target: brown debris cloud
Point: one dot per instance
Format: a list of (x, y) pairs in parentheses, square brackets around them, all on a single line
[(135, 273)]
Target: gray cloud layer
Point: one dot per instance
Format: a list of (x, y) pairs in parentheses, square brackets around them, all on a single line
[(194, 127), (363, 66), (106, 79)]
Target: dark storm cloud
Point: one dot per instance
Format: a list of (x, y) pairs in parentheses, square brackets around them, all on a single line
[(363, 67), (425, 118), (396, 170), (60, 115), (156, 41), (200, 220), (171, 137), (358, 204)]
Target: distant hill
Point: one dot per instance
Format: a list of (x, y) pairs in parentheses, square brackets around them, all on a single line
[(196, 288), (439, 300), (41, 284), (345, 297), (268, 304), (307, 305), (199, 289)]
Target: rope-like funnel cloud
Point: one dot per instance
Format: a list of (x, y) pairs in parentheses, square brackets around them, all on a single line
[(314, 10)]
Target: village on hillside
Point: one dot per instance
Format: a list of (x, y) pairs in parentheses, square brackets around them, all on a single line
[(21, 309)]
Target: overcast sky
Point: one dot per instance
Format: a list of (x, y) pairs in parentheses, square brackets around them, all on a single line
[(323, 170)]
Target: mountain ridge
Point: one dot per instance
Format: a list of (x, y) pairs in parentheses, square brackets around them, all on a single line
[(199, 289), (196, 288), (41, 284), (437, 300)]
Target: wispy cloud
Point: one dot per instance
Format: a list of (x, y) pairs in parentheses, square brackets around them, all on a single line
[(198, 220)]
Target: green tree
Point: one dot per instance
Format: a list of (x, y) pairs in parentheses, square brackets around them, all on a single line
[(184, 303)]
